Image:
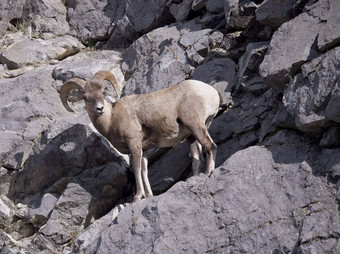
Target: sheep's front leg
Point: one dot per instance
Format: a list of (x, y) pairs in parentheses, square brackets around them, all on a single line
[(136, 154), (147, 187)]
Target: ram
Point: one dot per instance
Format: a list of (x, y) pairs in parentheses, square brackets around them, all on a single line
[(164, 118)]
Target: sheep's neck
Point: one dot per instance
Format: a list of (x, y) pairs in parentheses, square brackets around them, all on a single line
[(102, 122)]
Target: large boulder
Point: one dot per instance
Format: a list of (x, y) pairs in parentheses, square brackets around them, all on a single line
[(298, 41), (266, 194), (32, 52), (90, 20), (47, 16), (88, 197), (155, 61), (291, 45), (274, 13), (312, 97), (330, 35), (28, 108), (119, 21)]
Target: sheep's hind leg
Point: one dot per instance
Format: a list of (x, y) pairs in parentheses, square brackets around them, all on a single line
[(147, 187), (201, 134), (196, 155)]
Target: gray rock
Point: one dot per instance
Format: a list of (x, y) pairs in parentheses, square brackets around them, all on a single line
[(290, 54), (249, 64), (196, 44), (245, 186), (133, 18), (274, 13), (231, 7), (331, 138), (330, 35), (9, 10), (285, 56), (197, 5), (312, 103), (92, 233), (214, 6), (47, 16), (216, 70), (86, 65), (39, 215), (26, 111), (92, 194), (169, 168), (7, 210), (154, 61), (239, 14), (30, 52), (90, 20), (181, 10)]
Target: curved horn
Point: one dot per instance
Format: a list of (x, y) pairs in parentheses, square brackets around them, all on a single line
[(73, 83), (106, 75)]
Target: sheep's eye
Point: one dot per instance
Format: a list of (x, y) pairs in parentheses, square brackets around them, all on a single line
[(85, 98)]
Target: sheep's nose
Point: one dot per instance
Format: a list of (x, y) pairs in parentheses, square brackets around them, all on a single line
[(100, 109)]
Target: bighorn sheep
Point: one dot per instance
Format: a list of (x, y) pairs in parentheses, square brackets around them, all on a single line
[(164, 118)]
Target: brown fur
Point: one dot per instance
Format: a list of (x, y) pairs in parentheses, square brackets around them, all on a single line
[(164, 118)]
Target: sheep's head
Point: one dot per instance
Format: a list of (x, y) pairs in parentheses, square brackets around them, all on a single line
[(92, 91)]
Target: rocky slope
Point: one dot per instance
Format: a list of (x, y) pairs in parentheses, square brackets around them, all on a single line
[(64, 189)]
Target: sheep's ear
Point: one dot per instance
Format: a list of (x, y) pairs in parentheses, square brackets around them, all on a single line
[(71, 84)]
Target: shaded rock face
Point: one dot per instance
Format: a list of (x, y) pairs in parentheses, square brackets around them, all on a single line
[(267, 194), (65, 189)]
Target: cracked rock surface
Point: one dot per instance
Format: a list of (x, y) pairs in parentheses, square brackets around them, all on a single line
[(261, 200)]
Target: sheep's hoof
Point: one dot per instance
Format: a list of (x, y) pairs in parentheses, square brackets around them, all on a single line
[(137, 197), (148, 195)]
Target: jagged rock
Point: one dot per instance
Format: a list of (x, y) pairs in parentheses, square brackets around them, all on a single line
[(239, 14), (230, 9), (312, 103), (92, 233), (47, 16), (331, 138), (155, 61), (26, 111), (89, 196), (180, 10), (133, 18), (249, 64), (7, 210), (169, 168), (59, 179), (330, 35), (218, 69), (38, 216), (9, 10), (234, 208), (90, 20), (59, 154), (292, 45), (86, 65), (30, 52), (274, 13), (197, 5), (196, 44), (214, 6)]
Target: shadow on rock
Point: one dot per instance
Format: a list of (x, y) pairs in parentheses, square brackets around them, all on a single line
[(72, 178)]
